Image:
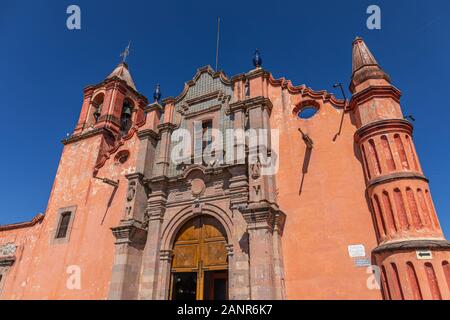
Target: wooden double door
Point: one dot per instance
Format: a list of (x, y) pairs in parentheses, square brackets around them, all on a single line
[(200, 262)]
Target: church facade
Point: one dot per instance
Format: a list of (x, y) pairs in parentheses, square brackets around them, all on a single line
[(239, 188)]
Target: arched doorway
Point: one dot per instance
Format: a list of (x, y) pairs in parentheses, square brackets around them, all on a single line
[(200, 261)]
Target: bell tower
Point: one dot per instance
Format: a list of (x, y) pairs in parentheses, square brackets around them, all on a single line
[(110, 104), (412, 253)]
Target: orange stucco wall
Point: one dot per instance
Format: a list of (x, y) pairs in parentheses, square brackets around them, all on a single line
[(330, 211), (41, 269)]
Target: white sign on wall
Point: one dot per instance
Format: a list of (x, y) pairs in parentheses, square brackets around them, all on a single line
[(424, 255), (356, 251)]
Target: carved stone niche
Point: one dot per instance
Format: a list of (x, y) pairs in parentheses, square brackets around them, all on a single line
[(136, 197)]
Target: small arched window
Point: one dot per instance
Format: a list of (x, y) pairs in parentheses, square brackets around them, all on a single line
[(125, 118)]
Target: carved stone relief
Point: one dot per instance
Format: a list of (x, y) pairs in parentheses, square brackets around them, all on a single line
[(8, 249)]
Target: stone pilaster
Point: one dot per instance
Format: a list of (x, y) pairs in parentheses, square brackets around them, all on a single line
[(151, 256), (261, 220), (130, 240), (163, 158), (165, 264)]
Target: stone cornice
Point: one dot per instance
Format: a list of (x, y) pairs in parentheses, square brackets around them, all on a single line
[(109, 83), (365, 73), (166, 126), (257, 72), (413, 245), (155, 106), (37, 219), (129, 231), (148, 133), (370, 92), (263, 215), (251, 103), (307, 92), (396, 176), (383, 126), (189, 115), (81, 136), (160, 180)]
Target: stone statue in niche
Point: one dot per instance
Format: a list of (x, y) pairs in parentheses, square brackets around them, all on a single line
[(131, 191), (255, 169)]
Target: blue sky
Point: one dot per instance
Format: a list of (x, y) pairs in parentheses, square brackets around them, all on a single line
[(45, 66)]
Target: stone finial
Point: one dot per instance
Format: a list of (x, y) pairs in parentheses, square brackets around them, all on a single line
[(157, 93), (257, 60), (361, 56), (364, 65)]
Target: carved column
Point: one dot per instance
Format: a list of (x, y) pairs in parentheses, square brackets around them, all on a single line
[(163, 158), (165, 258), (280, 289), (239, 256)]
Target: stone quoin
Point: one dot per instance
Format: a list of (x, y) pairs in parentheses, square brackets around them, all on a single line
[(137, 225)]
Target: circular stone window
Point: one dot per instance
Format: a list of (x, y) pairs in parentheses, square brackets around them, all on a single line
[(122, 157), (307, 112)]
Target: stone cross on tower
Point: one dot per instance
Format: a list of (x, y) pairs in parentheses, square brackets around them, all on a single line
[(126, 52)]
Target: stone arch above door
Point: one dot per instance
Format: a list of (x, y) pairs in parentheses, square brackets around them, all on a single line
[(173, 226)]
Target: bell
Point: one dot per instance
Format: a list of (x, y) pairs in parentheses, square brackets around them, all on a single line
[(126, 110), (96, 115)]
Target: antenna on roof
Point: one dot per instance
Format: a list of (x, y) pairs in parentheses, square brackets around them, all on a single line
[(217, 44)]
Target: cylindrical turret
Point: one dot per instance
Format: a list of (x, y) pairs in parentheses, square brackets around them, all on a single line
[(413, 254)]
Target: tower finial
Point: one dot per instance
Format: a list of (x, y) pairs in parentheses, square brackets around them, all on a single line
[(126, 52), (257, 60), (364, 65), (157, 93)]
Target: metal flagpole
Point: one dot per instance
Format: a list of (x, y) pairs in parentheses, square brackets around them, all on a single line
[(218, 42)]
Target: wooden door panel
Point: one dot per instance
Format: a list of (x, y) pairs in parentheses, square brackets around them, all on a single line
[(212, 229), (190, 232), (185, 256), (214, 254)]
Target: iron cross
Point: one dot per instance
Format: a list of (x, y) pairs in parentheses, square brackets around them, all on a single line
[(126, 53)]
